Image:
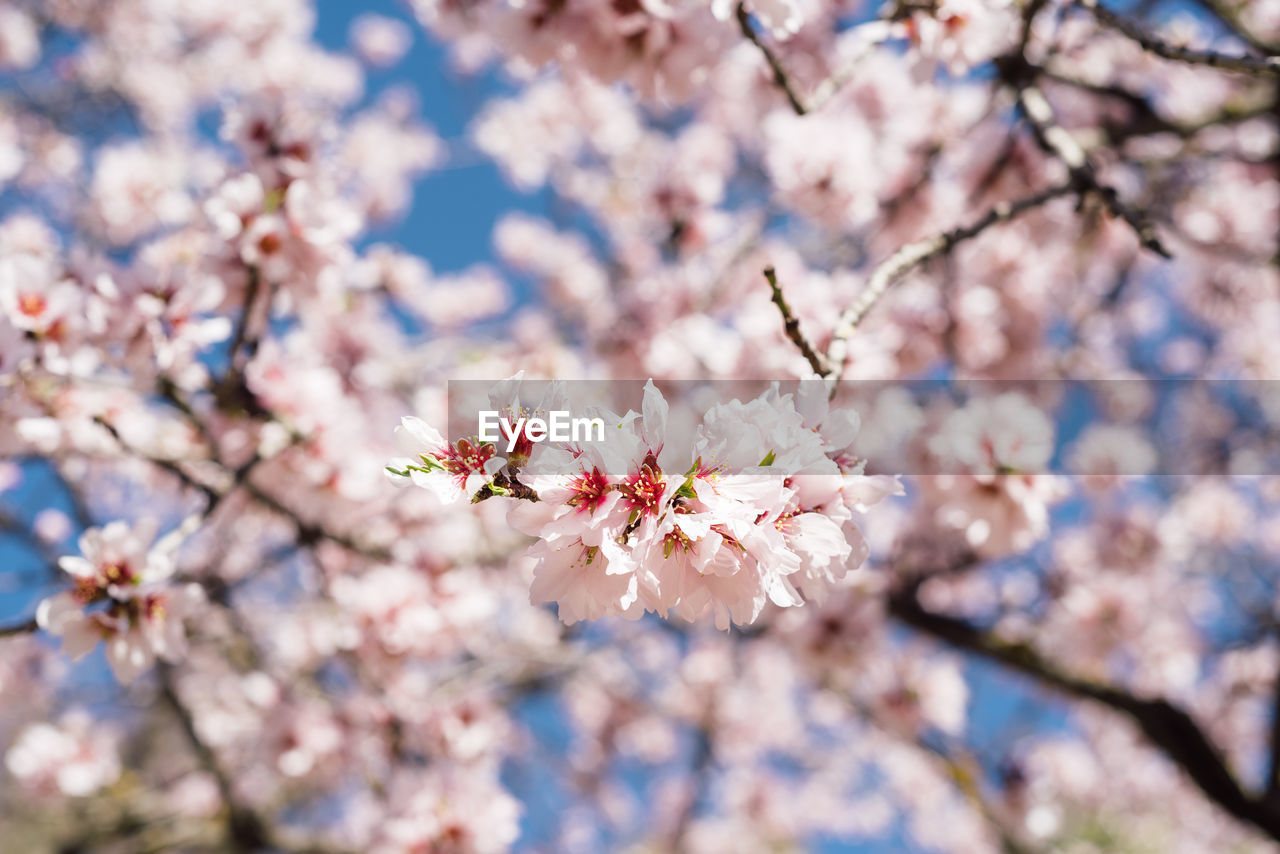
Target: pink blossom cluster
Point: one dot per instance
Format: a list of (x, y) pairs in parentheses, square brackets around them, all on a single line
[(759, 510), (994, 456)]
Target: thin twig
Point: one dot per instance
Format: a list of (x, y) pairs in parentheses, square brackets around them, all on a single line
[(966, 775), (212, 495), (1145, 119), (871, 34), (1230, 18), (792, 325), (241, 334), (1153, 44), (1059, 142), (1272, 792), (308, 532), (779, 73), (907, 258)]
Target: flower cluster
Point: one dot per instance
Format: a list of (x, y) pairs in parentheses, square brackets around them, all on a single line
[(993, 453), (122, 596), (75, 755), (758, 510)]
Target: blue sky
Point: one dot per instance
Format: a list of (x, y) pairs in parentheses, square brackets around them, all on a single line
[(455, 206)]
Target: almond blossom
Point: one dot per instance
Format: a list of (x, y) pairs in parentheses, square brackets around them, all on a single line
[(141, 617), (758, 498)]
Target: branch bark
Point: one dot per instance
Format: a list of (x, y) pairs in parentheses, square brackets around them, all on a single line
[(1166, 726), (245, 829), (791, 325), (907, 258), (1242, 64), (1061, 144), (23, 628), (780, 77), (1272, 794)]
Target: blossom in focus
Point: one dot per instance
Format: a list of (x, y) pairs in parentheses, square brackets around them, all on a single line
[(447, 469), (756, 510)]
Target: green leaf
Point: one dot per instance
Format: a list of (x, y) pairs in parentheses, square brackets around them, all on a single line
[(273, 201)]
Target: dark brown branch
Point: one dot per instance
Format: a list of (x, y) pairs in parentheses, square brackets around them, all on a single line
[(966, 775), (1165, 725), (872, 32), (1145, 119), (699, 769), (308, 532), (23, 628), (212, 496), (1230, 19), (1056, 140), (244, 827), (792, 326), (775, 65), (1273, 768), (1152, 44), (241, 334)]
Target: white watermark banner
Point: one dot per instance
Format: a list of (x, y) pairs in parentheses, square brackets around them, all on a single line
[(1103, 428)]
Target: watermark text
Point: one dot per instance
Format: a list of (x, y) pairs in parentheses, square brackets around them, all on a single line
[(558, 426)]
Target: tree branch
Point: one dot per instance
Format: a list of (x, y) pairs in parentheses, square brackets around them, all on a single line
[(1272, 793), (1061, 144), (241, 335), (23, 628), (245, 828), (308, 532), (699, 769), (966, 775), (1165, 725), (1257, 65), (792, 326), (1145, 119), (779, 73), (870, 34), (907, 258), (1230, 18)]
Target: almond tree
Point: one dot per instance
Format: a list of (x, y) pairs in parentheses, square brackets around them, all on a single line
[(833, 613)]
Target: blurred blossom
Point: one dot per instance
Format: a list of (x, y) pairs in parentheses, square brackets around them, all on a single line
[(52, 526), (76, 756), (1107, 453), (143, 616), (380, 40)]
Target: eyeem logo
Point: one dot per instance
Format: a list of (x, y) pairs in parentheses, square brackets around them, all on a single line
[(558, 426)]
